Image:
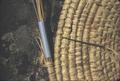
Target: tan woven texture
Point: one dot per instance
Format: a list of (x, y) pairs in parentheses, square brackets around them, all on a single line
[(87, 42)]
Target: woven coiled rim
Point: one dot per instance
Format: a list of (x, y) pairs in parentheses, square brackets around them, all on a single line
[(83, 23)]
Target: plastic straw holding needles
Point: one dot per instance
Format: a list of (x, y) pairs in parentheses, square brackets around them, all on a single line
[(38, 6)]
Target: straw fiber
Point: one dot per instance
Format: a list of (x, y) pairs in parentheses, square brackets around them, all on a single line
[(87, 46)]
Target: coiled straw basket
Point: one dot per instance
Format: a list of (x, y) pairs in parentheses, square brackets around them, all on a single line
[(87, 42)]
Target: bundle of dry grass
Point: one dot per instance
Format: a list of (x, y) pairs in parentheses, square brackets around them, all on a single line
[(43, 40)]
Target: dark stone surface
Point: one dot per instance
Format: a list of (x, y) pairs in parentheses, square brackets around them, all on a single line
[(18, 50)]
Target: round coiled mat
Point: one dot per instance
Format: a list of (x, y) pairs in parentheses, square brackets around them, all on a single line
[(87, 42)]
